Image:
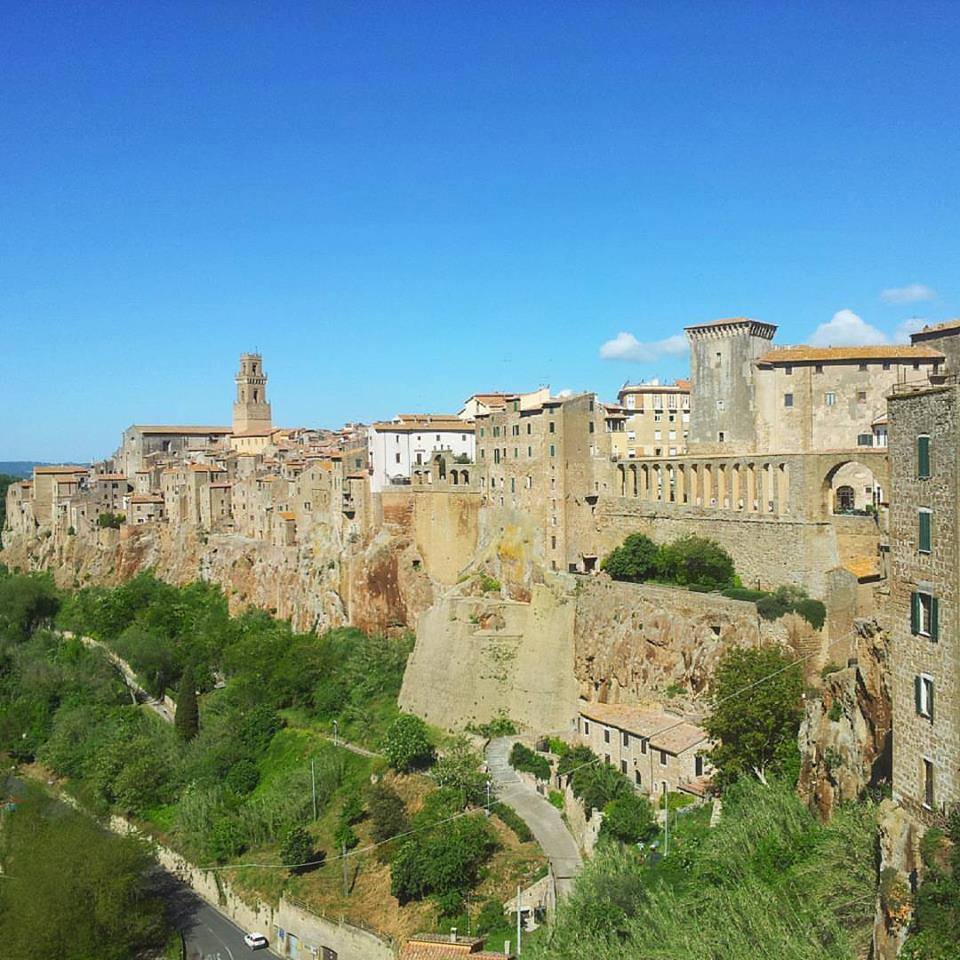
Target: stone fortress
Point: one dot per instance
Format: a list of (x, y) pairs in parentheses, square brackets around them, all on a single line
[(832, 469)]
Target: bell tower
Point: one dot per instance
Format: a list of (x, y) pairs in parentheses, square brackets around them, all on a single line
[(251, 412)]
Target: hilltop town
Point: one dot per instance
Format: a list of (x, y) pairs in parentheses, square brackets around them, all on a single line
[(826, 469)]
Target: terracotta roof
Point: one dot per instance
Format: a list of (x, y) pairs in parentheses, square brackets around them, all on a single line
[(206, 468), (61, 469), (179, 428), (287, 515), (698, 787), (665, 731), (802, 354), (146, 498), (430, 946), (426, 425), (114, 476), (953, 324), (220, 486), (863, 568)]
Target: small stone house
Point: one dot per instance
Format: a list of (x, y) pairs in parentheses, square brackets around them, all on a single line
[(648, 745), (437, 946)]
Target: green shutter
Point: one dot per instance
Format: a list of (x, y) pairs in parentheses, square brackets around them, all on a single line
[(923, 457), (914, 613), (916, 693), (930, 701), (924, 518), (934, 618)]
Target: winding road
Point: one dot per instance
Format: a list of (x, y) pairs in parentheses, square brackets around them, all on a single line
[(541, 816)]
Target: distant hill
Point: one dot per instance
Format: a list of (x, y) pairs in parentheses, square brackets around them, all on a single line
[(20, 468)]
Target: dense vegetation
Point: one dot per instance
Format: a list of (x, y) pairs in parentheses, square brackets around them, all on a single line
[(236, 775), (70, 890), (689, 561), (935, 931), (757, 707), (769, 881)]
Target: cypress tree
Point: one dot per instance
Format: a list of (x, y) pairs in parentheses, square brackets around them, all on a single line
[(187, 718)]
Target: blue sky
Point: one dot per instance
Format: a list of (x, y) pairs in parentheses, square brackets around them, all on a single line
[(401, 203)]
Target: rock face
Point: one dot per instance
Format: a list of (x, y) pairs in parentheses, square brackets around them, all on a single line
[(631, 640), (845, 736), (318, 584), (900, 868)]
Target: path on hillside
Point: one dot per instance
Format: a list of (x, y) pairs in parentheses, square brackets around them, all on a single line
[(129, 677), (541, 816)]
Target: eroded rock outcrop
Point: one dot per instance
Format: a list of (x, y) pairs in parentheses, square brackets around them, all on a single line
[(845, 733), (899, 872)]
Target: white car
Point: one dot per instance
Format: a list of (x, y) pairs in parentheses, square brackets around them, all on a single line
[(255, 941)]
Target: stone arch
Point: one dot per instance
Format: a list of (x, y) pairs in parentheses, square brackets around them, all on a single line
[(865, 486)]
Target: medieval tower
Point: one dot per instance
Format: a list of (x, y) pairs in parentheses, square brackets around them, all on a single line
[(251, 412)]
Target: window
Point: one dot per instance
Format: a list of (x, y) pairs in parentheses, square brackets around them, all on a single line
[(865, 440), (657, 417), (496, 431), (928, 783), (623, 766), (552, 427), (606, 734), (636, 777), (513, 484), (886, 364), (861, 396), (818, 368), (923, 532), (438, 437), (643, 744), (553, 450), (788, 370), (606, 759), (482, 432), (720, 405), (626, 739), (698, 766), (590, 427), (923, 693), (720, 437), (586, 726), (397, 455), (923, 457), (529, 452), (718, 359), (829, 399), (862, 368), (788, 399), (663, 758), (553, 543), (924, 615), (516, 429)]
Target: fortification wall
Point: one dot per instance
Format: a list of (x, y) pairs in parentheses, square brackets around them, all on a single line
[(445, 528), (476, 657)]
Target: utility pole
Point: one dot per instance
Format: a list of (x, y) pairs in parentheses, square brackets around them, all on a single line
[(313, 782), (488, 797), (519, 920), (336, 733), (666, 820), (343, 852)]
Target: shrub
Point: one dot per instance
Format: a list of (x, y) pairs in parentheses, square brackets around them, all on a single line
[(742, 593), (634, 560), (700, 588), (556, 798), (500, 726), (297, 848), (513, 820), (243, 777), (558, 747), (629, 819), (575, 758), (406, 744), (772, 608), (489, 584), (696, 560), (813, 611), (598, 784), (490, 917), (525, 759), (836, 711), (459, 768), (113, 521), (387, 813)]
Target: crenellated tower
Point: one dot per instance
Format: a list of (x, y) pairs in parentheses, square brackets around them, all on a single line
[(251, 411)]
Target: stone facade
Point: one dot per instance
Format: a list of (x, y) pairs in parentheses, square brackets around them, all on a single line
[(925, 660)]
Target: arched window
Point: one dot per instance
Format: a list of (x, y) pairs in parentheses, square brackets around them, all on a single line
[(845, 499)]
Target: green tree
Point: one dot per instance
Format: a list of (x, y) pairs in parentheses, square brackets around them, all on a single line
[(407, 745), (187, 718), (597, 784), (523, 758), (459, 767), (297, 848), (388, 813), (629, 818), (635, 559), (696, 561), (27, 601), (756, 713), (75, 892)]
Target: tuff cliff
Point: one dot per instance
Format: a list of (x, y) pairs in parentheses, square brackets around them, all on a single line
[(846, 731)]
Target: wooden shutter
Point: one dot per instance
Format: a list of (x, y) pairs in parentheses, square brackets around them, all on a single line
[(930, 700), (934, 618), (914, 613), (924, 531), (916, 693), (923, 457)]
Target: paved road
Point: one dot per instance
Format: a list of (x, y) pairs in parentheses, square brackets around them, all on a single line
[(209, 935), (541, 816)]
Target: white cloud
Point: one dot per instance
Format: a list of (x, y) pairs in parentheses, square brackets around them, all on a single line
[(846, 329), (625, 346), (903, 331), (911, 293), (563, 394)]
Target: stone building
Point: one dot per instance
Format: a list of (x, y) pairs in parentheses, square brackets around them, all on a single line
[(252, 420), (657, 418), (551, 462), (925, 594), (397, 447), (142, 445), (655, 749)]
